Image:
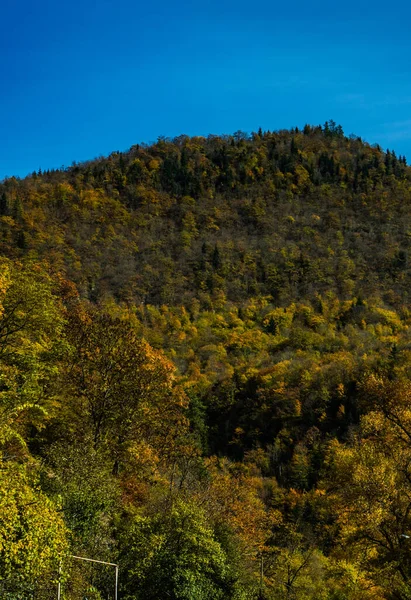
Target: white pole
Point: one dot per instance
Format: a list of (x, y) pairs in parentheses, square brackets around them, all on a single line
[(59, 583), (261, 574), (102, 562), (116, 591)]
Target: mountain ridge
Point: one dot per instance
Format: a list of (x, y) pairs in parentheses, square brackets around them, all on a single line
[(198, 206)]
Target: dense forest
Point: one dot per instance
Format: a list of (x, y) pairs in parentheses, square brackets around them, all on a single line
[(205, 372)]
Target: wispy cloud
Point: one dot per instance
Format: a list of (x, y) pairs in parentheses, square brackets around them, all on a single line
[(398, 124), (350, 98), (361, 100), (392, 100), (395, 131)]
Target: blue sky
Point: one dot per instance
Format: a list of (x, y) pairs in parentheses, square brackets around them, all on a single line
[(80, 79)]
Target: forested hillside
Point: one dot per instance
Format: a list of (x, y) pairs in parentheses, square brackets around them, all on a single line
[(205, 372)]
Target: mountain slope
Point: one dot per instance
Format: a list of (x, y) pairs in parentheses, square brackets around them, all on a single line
[(205, 365)]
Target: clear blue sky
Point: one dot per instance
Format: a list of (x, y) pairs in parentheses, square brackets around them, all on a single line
[(80, 79)]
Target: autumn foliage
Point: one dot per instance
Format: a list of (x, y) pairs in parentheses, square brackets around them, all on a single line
[(205, 372)]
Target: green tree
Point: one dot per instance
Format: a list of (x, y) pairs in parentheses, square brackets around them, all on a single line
[(174, 554), (33, 536), (31, 325)]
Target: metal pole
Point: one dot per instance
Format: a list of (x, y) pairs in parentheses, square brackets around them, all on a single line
[(116, 591), (102, 562), (261, 575), (59, 583)]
